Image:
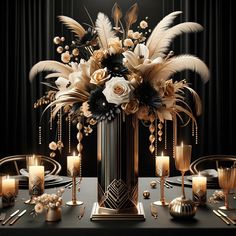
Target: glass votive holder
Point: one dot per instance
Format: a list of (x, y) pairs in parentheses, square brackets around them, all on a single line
[(199, 190)]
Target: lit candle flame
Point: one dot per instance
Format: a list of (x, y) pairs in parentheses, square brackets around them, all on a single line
[(182, 144), (74, 154), (162, 154)]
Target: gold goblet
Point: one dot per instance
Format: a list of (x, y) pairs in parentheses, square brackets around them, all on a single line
[(182, 207), (226, 177), (162, 170)]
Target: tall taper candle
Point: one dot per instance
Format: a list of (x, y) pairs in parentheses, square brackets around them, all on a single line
[(73, 165), (162, 165)]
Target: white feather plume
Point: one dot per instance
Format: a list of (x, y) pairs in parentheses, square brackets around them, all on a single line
[(50, 66), (104, 29), (77, 28), (165, 40), (56, 75), (177, 64), (158, 31)]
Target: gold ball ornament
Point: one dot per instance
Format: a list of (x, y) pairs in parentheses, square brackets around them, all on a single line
[(153, 184), (146, 194), (57, 40)]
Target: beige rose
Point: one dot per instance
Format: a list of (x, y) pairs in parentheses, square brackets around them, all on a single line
[(130, 33), (98, 55), (85, 109), (38, 208), (65, 57), (118, 90), (99, 76), (143, 24), (130, 107), (114, 45), (136, 35), (128, 43), (53, 146)]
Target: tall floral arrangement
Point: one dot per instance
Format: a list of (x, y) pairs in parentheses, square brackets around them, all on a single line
[(118, 68)]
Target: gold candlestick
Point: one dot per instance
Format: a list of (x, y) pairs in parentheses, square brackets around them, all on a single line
[(162, 170), (73, 169)]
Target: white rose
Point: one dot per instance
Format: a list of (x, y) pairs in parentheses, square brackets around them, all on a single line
[(143, 24), (118, 90)]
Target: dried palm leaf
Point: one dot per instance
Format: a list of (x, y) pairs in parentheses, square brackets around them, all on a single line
[(116, 14), (159, 30), (50, 66), (131, 16), (165, 39), (76, 27), (104, 30)]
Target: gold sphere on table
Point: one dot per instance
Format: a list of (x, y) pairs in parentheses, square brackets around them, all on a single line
[(146, 194), (153, 184), (182, 208)]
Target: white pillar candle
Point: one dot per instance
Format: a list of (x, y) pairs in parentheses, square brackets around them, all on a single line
[(36, 180), (33, 161), (183, 157), (162, 165), (199, 189), (1, 178), (8, 192), (73, 165)]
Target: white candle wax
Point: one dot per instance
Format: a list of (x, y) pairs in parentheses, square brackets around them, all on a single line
[(8, 187), (36, 180), (183, 157), (162, 165), (73, 165), (199, 188), (1, 179)]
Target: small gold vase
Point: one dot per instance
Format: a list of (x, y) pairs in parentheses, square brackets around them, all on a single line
[(53, 214)]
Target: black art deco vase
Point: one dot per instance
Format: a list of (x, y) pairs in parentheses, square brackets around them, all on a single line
[(118, 169)]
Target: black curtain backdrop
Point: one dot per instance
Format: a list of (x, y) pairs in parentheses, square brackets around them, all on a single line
[(27, 31)]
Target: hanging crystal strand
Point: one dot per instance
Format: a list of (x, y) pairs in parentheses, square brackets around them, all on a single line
[(165, 123), (196, 134), (40, 134), (69, 133), (174, 134), (79, 137), (193, 128), (151, 136), (59, 123), (156, 133), (50, 124)]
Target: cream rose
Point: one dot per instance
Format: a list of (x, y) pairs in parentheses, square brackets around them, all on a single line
[(143, 24), (118, 90), (128, 43), (130, 107), (99, 76), (114, 45), (65, 57), (53, 146), (98, 55)]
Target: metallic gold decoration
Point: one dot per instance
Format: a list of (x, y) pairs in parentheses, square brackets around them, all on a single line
[(227, 180), (69, 133), (103, 213), (160, 133), (151, 137), (165, 123), (146, 194), (182, 208), (153, 184), (53, 214)]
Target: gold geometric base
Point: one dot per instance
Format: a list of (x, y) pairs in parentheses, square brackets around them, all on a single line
[(161, 203), (76, 203), (103, 213)]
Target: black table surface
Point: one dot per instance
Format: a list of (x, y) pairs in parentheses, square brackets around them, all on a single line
[(204, 222)]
